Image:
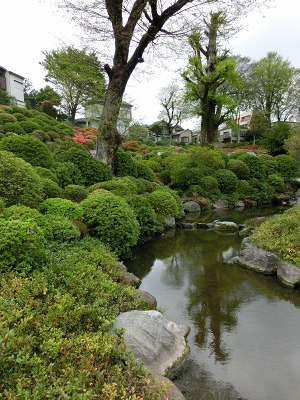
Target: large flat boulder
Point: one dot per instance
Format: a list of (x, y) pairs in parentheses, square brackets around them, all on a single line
[(257, 259), (288, 274), (156, 342)]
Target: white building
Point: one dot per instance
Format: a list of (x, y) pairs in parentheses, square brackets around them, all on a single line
[(226, 134), (12, 83)]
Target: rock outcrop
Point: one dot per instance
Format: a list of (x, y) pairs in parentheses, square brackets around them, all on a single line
[(155, 341)]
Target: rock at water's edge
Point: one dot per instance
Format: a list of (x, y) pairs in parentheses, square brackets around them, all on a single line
[(288, 274), (259, 260), (155, 341)]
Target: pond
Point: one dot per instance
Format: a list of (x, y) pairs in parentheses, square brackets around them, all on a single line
[(245, 327)]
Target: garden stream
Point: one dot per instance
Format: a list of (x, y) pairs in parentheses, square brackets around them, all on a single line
[(245, 327)]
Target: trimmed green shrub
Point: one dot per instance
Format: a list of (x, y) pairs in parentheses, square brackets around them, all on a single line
[(124, 164), (270, 164), (63, 229), (92, 170), (24, 213), (227, 180), (208, 187), (29, 125), (61, 207), (29, 148), (19, 183), (67, 174), (277, 182), (239, 168), (75, 193), (19, 116), (255, 165), (244, 190), (145, 172), (119, 186), (146, 217), (64, 129), (51, 189), (13, 127), (280, 234), (164, 204), (110, 218), (6, 117), (22, 245), (46, 173), (288, 167)]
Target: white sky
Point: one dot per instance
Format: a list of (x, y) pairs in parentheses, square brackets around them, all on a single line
[(29, 27)]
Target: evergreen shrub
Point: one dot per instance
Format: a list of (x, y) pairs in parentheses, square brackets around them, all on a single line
[(29, 125), (227, 180), (61, 207), (67, 174), (239, 168), (14, 127), (63, 229), (164, 204), (75, 193), (277, 182), (110, 218), (288, 167), (51, 189), (255, 165), (124, 164)]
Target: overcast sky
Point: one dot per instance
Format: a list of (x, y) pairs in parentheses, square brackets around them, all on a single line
[(29, 27)]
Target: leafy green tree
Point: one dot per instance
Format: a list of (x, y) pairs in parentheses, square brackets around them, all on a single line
[(128, 28), (270, 82), (5, 99), (77, 76), (259, 124), (137, 131), (210, 71), (275, 137)]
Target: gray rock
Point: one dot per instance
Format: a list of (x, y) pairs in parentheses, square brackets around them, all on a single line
[(172, 391), (245, 242), (202, 225), (191, 206), (233, 261), (225, 226), (221, 204), (128, 278), (169, 222), (288, 274), (188, 225), (239, 204), (151, 300), (259, 260), (155, 341)]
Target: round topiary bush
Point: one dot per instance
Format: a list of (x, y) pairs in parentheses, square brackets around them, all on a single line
[(75, 193), (29, 148), (277, 182), (29, 125), (244, 190), (164, 204), (119, 186), (24, 213), (19, 183), (67, 174), (110, 218), (288, 167), (269, 163), (145, 172), (46, 173), (63, 229), (92, 170), (62, 207), (22, 245), (6, 117), (257, 168), (124, 164), (51, 189), (239, 168), (14, 127), (146, 217), (208, 187), (227, 180)]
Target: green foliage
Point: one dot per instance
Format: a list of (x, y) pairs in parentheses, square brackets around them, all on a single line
[(24, 213), (51, 189), (19, 183), (119, 186), (110, 218), (67, 174), (91, 169), (76, 193), (269, 163), (276, 136), (146, 217), (239, 168), (255, 165), (29, 148), (277, 182), (124, 164), (208, 187), (164, 204), (22, 245), (13, 127), (288, 167), (7, 117), (244, 190), (227, 180), (55, 330), (280, 234), (145, 172), (46, 173), (61, 207), (63, 229), (29, 125)]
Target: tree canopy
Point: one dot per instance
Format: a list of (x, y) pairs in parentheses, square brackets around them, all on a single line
[(77, 76)]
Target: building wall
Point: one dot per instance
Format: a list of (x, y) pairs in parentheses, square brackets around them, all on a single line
[(13, 84)]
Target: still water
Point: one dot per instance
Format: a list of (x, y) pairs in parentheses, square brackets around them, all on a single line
[(245, 327)]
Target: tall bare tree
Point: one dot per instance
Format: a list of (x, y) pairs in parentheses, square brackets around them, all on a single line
[(132, 25)]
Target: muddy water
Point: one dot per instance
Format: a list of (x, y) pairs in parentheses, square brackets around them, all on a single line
[(245, 328)]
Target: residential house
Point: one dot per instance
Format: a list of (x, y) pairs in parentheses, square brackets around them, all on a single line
[(226, 133), (178, 135), (93, 114), (12, 83)]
